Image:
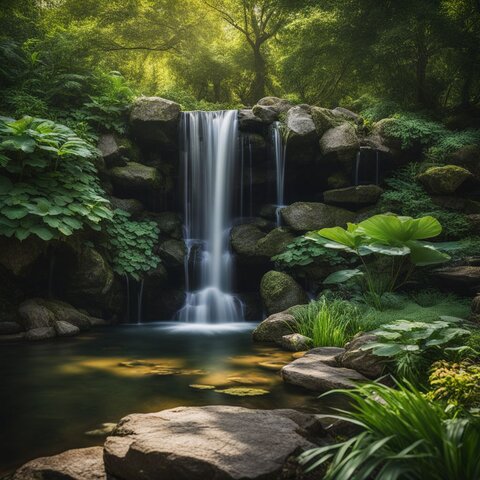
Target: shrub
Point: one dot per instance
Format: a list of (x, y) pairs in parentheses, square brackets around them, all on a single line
[(48, 183), (131, 244), (412, 346), (302, 251), (451, 142), (398, 239), (407, 197), (328, 322), (404, 435), (457, 383), (374, 109)]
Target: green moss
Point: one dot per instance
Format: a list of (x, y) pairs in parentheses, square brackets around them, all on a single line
[(444, 179)]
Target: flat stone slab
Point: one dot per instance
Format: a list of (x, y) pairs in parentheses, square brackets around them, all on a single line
[(312, 373), (326, 354), (213, 442), (79, 464)]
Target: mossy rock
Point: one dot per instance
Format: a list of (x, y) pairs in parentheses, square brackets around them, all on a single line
[(445, 179), (324, 119), (280, 291), (274, 242)]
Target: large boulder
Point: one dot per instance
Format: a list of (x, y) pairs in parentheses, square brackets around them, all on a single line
[(265, 113), (135, 177), (295, 342), (65, 313), (131, 205), (362, 361), (65, 329), (325, 119), (18, 257), (40, 333), (172, 252), (34, 313), (80, 464), (327, 355), (155, 120), (311, 373), (340, 144), (213, 442), (113, 153), (300, 126), (244, 239), (279, 105), (274, 242), (249, 122), (91, 284), (461, 278), (169, 223), (360, 195), (274, 328), (444, 180), (305, 216), (280, 291)]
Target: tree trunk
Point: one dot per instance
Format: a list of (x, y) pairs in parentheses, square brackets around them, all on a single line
[(260, 75)]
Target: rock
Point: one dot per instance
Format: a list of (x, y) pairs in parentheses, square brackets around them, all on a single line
[(295, 342), (91, 283), (213, 442), (131, 205), (172, 252), (338, 180), (252, 306), (12, 338), (103, 430), (306, 216), (360, 195), (273, 328), (18, 257), (324, 119), (34, 314), (10, 328), (248, 122), (280, 291), (326, 355), (459, 277), (112, 152), (135, 176), (155, 120), (244, 239), (381, 134), (40, 333), (65, 329), (476, 305), (311, 373), (268, 211), (169, 223), (279, 105), (340, 144), (363, 361), (265, 114), (467, 157), (349, 114), (64, 312), (274, 242), (443, 180), (80, 464), (300, 127)]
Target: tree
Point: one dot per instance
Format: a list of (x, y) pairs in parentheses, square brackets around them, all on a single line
[(258, 21)]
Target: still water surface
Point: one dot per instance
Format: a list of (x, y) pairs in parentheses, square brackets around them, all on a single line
[(55, 392)]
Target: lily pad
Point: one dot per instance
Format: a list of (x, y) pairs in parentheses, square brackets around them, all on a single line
[(199, 386), (243, 391)]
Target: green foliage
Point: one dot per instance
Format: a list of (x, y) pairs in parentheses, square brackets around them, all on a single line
[(302, 251), (413, 130), (374, 109), (412, 345), (48, 183), (451, 142), (404, 435), (398, 239), (328, 322), (457, 383), (406, 196), (131, 244)]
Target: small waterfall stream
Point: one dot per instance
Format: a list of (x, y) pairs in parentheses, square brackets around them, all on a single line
[(209, 159), (279, 152)]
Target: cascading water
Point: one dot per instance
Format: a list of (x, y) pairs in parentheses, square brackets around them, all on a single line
[(279, 151), (209, 157)]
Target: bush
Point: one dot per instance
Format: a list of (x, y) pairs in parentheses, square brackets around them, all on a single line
[(456, 383), (407, 197), (132, 244), (451, 142), (404, 435), (48, 183), (374, 109), (328, 322)]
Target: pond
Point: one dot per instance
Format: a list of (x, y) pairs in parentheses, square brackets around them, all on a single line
[(55, 392)]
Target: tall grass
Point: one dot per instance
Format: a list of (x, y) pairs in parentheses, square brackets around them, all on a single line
[(328, 322), (405, 436)]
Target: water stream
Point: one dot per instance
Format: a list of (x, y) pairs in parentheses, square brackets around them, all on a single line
[(209, 159), (279, 151)]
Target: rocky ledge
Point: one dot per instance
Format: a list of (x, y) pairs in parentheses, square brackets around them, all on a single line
[(194, 443)]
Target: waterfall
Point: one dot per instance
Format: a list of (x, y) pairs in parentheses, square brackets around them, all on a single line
[(209, 156), (279, 151)]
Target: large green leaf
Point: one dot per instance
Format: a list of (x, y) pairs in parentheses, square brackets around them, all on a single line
[(6, 185), (42, 232), (20, 142), (342, 276), (387, 249), (425, 254)]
